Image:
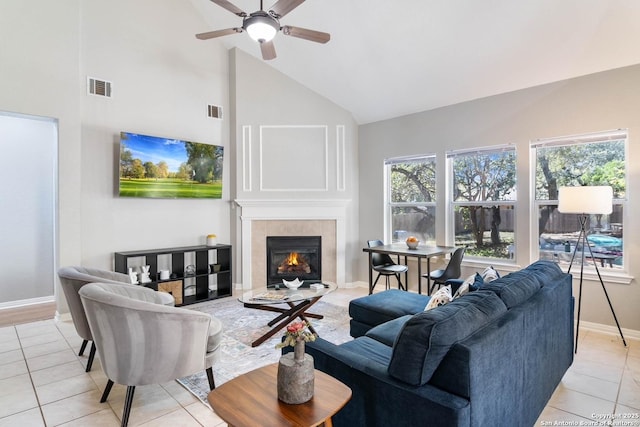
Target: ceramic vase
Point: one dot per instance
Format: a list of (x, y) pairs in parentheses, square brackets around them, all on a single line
[(295, 376)]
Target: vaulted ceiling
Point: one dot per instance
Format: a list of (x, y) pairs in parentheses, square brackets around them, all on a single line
[(391, 58)]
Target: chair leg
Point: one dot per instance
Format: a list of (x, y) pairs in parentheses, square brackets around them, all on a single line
[(127, 405), (92, 354), (400, 285), (374, 283), (212, 383), (106, 392), (82, 347), (387, 285)]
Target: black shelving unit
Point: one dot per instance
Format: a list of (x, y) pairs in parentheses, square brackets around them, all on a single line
[(200, 279)]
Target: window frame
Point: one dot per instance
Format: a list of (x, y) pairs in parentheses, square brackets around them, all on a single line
[(389, 204), (452, 204), (615, 276)]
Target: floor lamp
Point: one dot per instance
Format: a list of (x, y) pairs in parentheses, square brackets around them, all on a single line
[(586, 201)]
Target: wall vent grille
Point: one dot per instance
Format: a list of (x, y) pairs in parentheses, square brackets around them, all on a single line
[(99, 87), (214, 111)]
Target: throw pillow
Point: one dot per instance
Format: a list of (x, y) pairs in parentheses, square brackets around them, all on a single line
[(441, 297), (471, 283), (465, 287), (489, 274)]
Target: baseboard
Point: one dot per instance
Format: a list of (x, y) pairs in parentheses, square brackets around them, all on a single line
[(353, 285), (62, 317), (610, 330), (26, 302)]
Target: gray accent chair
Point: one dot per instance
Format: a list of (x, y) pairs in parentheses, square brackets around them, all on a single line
[(72, 278), (141, 342)]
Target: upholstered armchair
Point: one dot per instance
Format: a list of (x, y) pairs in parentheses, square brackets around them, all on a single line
[(72, 278), (141, 342)]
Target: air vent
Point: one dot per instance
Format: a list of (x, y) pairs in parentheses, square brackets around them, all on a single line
[(99, 87), (214, 111)]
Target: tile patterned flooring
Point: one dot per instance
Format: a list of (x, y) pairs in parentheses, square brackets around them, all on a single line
[(43, 383)]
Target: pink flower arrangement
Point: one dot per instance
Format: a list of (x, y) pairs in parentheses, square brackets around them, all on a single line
[(296, 332)]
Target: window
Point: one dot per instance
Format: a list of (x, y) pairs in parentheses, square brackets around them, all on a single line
[(411, 198), (593, 159), (483, 196)]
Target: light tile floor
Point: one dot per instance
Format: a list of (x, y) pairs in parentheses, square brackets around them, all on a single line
[(43, 382)]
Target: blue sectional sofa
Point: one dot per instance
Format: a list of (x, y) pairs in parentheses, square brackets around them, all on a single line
[(492, 357)]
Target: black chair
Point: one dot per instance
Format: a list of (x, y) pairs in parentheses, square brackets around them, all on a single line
[(384, 265), (452, 271)]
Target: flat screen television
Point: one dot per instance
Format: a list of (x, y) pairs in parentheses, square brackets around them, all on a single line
[(165, 168)]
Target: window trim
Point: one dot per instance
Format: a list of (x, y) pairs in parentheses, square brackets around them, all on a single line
[(388, 204), (619, 276), (451, 204)]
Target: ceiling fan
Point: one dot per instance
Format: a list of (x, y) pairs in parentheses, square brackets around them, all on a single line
[(262, 26)]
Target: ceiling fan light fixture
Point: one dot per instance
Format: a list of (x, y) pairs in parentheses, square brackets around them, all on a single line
[(261, 27)]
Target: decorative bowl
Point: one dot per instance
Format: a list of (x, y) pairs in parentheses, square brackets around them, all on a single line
[(412, 242), (293, 284)]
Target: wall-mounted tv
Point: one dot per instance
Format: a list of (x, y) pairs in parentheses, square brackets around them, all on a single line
[(167, 168)]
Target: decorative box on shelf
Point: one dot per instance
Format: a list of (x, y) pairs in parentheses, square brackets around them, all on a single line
[(191, 278)]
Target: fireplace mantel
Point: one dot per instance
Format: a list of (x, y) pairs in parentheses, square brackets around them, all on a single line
[(251, 210)]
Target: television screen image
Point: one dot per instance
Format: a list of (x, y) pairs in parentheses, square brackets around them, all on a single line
[(166, 168)]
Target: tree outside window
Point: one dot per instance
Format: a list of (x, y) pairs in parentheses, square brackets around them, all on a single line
[(483, 199), (596, 159), (411, 201)]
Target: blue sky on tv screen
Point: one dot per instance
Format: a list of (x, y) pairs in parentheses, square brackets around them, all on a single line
[(155, 149)]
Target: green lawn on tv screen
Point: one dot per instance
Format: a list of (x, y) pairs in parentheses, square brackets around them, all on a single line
[(169, 188)]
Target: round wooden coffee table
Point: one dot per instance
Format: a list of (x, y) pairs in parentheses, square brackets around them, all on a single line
[(252, 399)]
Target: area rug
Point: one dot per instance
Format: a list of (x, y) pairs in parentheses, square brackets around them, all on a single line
[(241, 326)]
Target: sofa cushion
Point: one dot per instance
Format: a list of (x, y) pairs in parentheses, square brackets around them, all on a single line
[(372, 349), (547, 272), (387, 305), (387, 332), (514, 288), (427, 336)]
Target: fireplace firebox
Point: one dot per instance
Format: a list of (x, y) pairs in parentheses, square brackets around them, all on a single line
[(291, 257)]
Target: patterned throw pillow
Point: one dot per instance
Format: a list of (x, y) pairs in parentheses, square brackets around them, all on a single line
[(465, 287), (489, 274), (441, 297), (471, 283)]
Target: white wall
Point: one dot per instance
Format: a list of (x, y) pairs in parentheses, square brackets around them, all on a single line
[(292, 144), (163, 78), (603, 101), (39, 57)]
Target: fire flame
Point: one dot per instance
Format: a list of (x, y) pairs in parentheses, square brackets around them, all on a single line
[(292, 259)]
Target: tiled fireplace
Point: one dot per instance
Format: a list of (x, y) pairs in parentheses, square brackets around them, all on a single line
[(262, 218)]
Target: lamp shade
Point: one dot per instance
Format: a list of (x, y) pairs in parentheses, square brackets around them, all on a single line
[(586, 200)]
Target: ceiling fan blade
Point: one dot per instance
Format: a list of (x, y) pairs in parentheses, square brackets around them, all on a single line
[(303, 33), (218, 33), (282, 7), (230, 7), (268, 50)]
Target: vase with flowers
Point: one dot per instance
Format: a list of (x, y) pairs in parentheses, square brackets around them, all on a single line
[(296, 370)]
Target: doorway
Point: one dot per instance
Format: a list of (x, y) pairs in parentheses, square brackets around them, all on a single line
[(28, 194)]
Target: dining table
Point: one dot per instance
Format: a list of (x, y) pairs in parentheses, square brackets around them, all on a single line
[(402, 251)]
